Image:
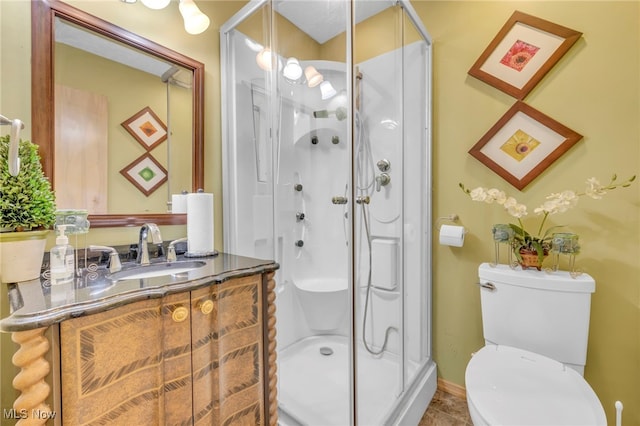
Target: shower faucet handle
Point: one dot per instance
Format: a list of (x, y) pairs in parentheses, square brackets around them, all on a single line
[(382, 179)]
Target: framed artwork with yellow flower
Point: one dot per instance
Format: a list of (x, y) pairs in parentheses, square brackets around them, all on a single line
[(522, 52), (523, 143)]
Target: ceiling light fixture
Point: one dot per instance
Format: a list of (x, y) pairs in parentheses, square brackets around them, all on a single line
[(292, 70), (195, 22), (313, 76), (326, 90), (156, 4), (264, 59)]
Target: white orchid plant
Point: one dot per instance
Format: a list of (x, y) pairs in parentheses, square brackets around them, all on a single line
[(555, 203)]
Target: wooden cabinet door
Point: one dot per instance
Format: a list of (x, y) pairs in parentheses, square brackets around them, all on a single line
[(227, 353), (176, 344), (113, 365)]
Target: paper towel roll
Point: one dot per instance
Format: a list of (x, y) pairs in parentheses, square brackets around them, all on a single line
[(178, 203), (451, 235), (200, 224)]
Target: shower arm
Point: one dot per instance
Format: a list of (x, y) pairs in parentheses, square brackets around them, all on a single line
[(5, 121)]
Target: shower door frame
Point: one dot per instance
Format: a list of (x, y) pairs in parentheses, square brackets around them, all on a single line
[(427, 368)]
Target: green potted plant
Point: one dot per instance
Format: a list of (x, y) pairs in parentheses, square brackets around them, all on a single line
[(531, 249), (27, 212)]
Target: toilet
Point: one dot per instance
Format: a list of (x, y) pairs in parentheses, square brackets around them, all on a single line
[(530, 371)]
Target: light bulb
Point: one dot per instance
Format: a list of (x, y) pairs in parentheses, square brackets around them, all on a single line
[(313, 76), (292, 70), (195, 21), (156, 4), (326, 90), (264, 59)]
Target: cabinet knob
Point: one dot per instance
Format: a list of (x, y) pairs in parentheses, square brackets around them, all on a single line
[(180, 314), (206, 306)]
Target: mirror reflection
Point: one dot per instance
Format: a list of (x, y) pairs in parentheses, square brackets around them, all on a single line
[(99, 86), (119, 119)]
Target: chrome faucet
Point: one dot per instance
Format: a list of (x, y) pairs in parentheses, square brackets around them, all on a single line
[(143, 249)]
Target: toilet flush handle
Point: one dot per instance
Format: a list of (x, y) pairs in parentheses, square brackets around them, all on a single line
[(488, 286)]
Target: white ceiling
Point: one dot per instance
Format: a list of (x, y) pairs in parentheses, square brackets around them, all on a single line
[(324, 19), (320, 19)]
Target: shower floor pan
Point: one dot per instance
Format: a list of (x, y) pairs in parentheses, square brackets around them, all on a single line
[(313, 385)]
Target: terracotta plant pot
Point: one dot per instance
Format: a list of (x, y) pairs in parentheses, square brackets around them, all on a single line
[(21, 255), (530, 259)]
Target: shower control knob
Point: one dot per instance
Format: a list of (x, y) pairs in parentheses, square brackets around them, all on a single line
[(297, 187), (299, 243), (299, 216), (384, 165)]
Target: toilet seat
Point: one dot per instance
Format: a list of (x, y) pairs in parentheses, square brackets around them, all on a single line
[(510, 386)]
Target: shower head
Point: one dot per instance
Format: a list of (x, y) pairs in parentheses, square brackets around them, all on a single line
[(169, 77), (168, 74), (340, 113)]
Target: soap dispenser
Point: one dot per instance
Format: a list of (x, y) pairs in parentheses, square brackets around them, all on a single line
[(62, 258)]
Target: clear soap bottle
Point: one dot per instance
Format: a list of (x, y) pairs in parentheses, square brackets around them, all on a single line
[(62, 258)]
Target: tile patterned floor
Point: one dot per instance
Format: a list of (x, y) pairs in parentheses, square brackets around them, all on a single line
[(446, 410)]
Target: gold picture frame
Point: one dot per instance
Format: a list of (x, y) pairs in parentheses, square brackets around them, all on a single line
[(522, 144), (522, 52)]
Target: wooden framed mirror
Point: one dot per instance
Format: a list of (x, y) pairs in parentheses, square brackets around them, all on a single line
[(44, 14)]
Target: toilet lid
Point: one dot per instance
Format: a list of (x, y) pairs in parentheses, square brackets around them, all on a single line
[(509, 386)]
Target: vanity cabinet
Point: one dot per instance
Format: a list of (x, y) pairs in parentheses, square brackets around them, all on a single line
[(196, 357)]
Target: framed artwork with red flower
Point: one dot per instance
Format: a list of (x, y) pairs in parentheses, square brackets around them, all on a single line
[(522, 52), (522, 144)]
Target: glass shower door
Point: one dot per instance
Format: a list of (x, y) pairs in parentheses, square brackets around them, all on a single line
[(313, 232), (391, 257), (325, 144), (378, 218)]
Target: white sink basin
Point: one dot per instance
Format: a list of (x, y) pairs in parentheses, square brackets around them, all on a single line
[(156, 270)]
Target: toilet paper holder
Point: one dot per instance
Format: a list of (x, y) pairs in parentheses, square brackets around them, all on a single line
[(451, 218)]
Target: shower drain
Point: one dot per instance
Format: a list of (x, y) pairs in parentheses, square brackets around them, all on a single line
[(326, 350)]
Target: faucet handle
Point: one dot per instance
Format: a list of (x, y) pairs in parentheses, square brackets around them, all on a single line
[(382, 179), (171, 251), (114, 258), (171, 254)]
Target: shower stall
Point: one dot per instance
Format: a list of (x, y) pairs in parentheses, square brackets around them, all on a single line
[(326, 109)]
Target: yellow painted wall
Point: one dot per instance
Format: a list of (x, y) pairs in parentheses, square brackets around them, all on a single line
[(594, 90)]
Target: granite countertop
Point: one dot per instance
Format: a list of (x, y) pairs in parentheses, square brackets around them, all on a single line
[(37, 303)]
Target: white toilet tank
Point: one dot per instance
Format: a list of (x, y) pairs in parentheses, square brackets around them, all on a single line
[(545, 313)]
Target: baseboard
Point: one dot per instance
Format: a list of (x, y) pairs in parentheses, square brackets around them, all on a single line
[(452, 389)]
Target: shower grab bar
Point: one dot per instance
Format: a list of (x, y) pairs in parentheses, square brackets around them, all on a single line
[(339, 200)]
